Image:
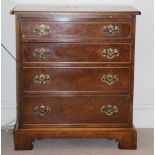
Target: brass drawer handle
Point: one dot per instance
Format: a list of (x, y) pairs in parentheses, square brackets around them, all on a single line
[(42, 110), (110, 53), (41, 79), (109, 110), (41, 29), (109, 79), (41, 53), (111, 29)]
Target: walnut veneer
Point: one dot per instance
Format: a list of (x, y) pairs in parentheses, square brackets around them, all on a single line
[(75, 74)]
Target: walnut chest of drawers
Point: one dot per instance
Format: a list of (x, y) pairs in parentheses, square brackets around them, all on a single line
[(75, 74)]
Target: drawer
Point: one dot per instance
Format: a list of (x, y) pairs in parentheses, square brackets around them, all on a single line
[(76, 31), (76, 52), (65, 110), (104, 79)]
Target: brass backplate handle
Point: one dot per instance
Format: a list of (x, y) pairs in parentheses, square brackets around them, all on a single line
[(110, 53), (111, 29), (109, 110), (41, 29), (109, 79), (41, 79), (41, 53), (42, 110)]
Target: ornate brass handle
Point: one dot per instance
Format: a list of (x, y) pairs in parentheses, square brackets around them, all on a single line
[(42, 110), (109, 79), (41, 29), (110, 53), (111, 29), (41, 79), (41, 53), (109, 109)]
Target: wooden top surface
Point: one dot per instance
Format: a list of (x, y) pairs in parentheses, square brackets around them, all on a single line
[(83, 8)]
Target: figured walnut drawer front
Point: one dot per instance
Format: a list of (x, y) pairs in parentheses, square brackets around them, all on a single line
[(76, 110), (76, 79), (76, 31), (69, 52)]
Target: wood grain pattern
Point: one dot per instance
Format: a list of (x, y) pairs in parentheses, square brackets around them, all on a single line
[(76, 79), (65, 111), (75, 67), (66, 31), (126, 137), (71, 52)]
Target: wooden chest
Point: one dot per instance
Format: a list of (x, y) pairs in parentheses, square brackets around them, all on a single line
[(75, 74)]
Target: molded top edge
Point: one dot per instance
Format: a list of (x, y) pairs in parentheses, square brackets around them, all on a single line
[(74, 9)]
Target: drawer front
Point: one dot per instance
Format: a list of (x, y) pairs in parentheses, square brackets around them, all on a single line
[(69, 52), (76, 79), (65, 110), (74, 31)]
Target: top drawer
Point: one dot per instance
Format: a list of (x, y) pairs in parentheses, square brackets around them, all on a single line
[(76, 31)]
